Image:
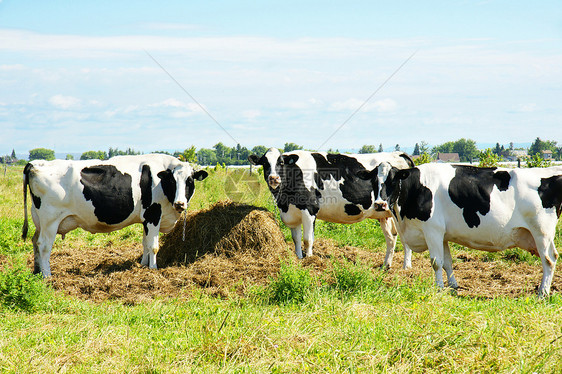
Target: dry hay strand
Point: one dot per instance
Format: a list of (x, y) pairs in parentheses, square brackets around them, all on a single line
[(226, 228)]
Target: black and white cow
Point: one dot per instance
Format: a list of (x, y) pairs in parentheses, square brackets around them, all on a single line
[(104, 196), (489, 209), (309, 185)]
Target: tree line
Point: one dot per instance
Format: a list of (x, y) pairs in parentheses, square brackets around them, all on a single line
[(238, 155)]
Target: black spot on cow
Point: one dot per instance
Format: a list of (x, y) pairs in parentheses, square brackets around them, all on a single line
[(146, 186), (355, 190), (404, 187), (352, 209), (168, 184), (110, 192), (151, 215), (471, 187), (189, 188), (255, 160), (36, 199), (550, 192)]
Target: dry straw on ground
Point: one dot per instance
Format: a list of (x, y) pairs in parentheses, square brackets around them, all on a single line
[(229, 248)]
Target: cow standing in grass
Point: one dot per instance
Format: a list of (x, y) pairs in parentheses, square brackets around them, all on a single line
[(488, 209), (310, 185), (104, 196)]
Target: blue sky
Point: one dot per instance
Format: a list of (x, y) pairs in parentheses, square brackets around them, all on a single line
[(75, 75)]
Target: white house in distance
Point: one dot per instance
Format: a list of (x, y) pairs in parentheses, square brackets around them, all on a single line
[(547, 155)]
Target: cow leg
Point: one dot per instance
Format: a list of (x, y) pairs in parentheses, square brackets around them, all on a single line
[(435, 246), (448, 266), (150, 244), (44, 245), (407, 256), (390, 236), (296, 234), (548, 254), (308, 231)]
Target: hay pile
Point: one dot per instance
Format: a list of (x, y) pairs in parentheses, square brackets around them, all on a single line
[(227, 248), (226, 228)]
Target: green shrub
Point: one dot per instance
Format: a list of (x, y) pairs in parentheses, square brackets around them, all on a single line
[(488, 159), (536, 161), (348, 277), (423, 159), (20, 289), (292, 285)]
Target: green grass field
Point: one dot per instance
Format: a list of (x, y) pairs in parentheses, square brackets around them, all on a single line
[(362, 326)]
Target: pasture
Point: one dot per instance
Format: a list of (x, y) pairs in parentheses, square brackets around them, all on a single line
[(103, 312)]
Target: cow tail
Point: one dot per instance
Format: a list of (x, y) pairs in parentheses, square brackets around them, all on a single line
[(25, 183), (393, 229)]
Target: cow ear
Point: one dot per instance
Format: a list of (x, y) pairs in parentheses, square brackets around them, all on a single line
[(165, 174), (365, 174), (290, 159), (255, 160), (200, 175), (402, 174)]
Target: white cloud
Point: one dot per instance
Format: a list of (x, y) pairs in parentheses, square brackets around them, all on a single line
[(251, 114), (527, 108), (64, 102), (169, 26), (352, 104)]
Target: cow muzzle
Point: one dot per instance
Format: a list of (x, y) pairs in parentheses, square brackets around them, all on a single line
[(180, 206), (274, 181), (380, 206)]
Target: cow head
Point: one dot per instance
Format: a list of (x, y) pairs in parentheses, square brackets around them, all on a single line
[(385, 180), (178, 184), (276, 167), (271, 161)]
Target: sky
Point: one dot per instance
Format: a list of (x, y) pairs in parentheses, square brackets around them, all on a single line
[(89, 75)]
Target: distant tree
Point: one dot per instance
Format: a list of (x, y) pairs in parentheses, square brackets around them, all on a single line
[(368, 149), (188, 155), (542, 145), (397, 147), (498, 150), (69, 157), (331, 151), (259, 150), (222, 151), (288, 147), (14, 155), (94, 155), (41, 154), (466, 148), (116, 152), (206, 157), (162, 153), (381, 149), (424, 147), (416, 150)]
